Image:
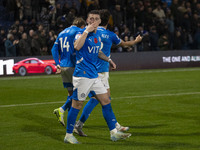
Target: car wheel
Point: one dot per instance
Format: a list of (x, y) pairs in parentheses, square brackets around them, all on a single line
[(22, 71), (48, 70)]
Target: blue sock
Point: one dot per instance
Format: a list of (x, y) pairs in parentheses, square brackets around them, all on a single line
[(109, 116), (88, 109), (71, 119), (67, 104)]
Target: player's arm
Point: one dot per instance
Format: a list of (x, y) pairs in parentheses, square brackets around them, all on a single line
[(55, 54), (131, 43), (102, 56), (78, 44)]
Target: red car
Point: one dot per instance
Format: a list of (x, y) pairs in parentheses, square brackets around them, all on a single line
[(33, 65)]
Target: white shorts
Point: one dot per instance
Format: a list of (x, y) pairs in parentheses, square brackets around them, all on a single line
[(66, 74), (104, 76), (82, 87)]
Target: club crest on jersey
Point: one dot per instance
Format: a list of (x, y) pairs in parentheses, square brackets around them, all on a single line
[(77, 36), (83, 95)]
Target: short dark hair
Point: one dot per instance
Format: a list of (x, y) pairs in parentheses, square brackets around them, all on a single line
[(96, 12), (79, 22), (105, 15)]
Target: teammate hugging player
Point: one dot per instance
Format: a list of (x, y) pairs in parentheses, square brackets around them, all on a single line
[(85, 78), (107, 38), (64, 45)]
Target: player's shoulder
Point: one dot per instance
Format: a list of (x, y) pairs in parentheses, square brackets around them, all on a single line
[(105, 31)]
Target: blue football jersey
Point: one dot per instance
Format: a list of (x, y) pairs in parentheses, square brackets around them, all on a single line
[(107, 38), (87, 56), (64, 45)]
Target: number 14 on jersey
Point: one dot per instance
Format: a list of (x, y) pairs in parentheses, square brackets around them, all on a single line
[(64, 44)]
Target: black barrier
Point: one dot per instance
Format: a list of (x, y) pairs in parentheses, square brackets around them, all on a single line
[(128, 61), (157, 60)]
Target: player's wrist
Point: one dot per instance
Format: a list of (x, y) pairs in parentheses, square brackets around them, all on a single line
[(86, 31), (58, 66), (109, 60)]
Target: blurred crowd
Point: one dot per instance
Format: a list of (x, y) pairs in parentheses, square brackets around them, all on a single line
[(164, 24)]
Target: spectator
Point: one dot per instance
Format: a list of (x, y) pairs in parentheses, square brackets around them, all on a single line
[(43, 43), (159, 13), (24, 47), (140, 15), (20, 31), (44, 4), (51, 40), (35, 45), (197, 37), (26, 25), (35, 9), (126, 32), (10, 46), (58, 10), (33, 25), (117, 16), (182, 7), (65, 9), (45, 17), (177, 41), (149, 18), (153, 36), (186, 22), (144, 45), (83, 9), (94, 5), (127, 48), (163, 42), (27, 9), (170, 27), (19, 10), (76, 5), (30, 36), (175, 12), (16, 24), (2, 41), (130, 14)]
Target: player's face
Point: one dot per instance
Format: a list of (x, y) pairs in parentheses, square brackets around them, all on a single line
[(94, 18)]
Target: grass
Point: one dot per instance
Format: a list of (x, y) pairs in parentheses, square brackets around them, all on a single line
[(161, 107)]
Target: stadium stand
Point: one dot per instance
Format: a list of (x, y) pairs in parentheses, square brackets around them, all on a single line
[(164, 24)]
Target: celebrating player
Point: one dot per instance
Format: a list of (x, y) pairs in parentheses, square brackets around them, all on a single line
[(65, 46), (107, 38), (85, 78)]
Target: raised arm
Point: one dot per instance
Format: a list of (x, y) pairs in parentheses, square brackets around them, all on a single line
[(78, 44), (131, 43)]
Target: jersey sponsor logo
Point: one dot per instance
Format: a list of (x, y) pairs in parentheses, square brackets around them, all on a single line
[(94, 49), (106, 36), (90, 39)]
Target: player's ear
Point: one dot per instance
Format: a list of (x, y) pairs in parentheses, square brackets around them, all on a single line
[(87, 21), (99, 21)]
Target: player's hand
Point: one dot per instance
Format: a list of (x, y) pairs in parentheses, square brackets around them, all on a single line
[(91, 27), (138, 38), (58, 69), (113, 65)]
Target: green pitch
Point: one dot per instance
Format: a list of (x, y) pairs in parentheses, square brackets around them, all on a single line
[(161, 107)]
